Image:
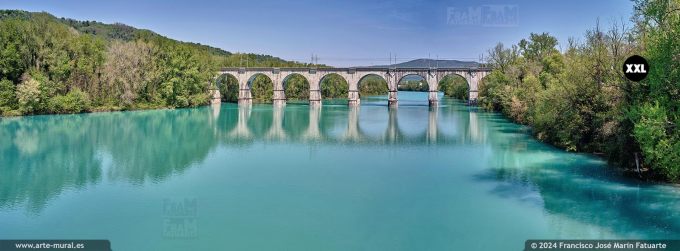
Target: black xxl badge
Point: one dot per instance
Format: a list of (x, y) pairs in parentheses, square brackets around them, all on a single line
[(635, 68)]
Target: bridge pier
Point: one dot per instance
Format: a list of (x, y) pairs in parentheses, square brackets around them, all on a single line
[(244, 97), (279, 97), (392, 99), (314, 97), (215, 96), (433, 99), (472, 97), (353, 98)]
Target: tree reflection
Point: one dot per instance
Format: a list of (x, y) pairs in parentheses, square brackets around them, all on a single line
[(43, 155), (153, 145), (579, 188)]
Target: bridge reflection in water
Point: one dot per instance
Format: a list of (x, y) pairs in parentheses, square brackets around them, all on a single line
[(342, 124), (72, 151)]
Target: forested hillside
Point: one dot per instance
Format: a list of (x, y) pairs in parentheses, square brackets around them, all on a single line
[(57, 65)]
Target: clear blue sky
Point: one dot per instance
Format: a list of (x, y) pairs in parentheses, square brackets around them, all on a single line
[(341, 33)]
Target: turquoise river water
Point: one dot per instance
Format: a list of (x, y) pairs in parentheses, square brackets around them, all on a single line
[(302, 178)]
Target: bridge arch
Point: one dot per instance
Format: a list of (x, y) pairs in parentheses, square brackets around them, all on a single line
[(229, 87), (372, 84), (415, 82), (260, 88), (455, 85), (296, 86), (403, 77), (333, 85)]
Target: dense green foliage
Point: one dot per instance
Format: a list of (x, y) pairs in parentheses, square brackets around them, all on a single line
[(296, 87), (580, 100), (372, 85), (413, 85), (228, 86), (7, 95), (57, 69), (74, 101), (655, 102), (262, 89), (454, 86), (51, 65), (571, 99), (334, 86)]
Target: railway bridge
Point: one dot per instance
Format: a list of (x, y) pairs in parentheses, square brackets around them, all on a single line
[(353, 76)]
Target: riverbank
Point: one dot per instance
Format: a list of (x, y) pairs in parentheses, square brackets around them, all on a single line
[(637, 171), (578, 98), (104, 109)]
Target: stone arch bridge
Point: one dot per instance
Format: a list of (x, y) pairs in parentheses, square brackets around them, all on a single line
[(353, 76)]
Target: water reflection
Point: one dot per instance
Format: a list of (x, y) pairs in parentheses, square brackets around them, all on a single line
[(44, 155), (380, 125), (313, 131), (153, 145), (352, 133), (276, 129), (241, 131), (579, 188)]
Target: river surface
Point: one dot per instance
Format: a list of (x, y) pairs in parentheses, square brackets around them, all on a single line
[(301, 178)]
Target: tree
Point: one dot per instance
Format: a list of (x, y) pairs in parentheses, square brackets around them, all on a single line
[(538, 46), (229, 88), (655, 108), (28, 94), (7, 96), (87, 58), (261, 89), (75, 101), (127, 71), (500, 58), (373, 85), (114, 66), (296, 87), (184, 74), (15, 52), (334, 86), (455, 86)]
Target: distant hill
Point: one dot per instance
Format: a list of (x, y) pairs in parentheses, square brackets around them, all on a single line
[(420, 63)]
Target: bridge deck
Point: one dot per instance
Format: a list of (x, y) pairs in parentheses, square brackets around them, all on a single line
[(345, 69)]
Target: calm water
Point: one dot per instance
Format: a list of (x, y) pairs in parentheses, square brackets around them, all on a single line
[(299, 178)]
